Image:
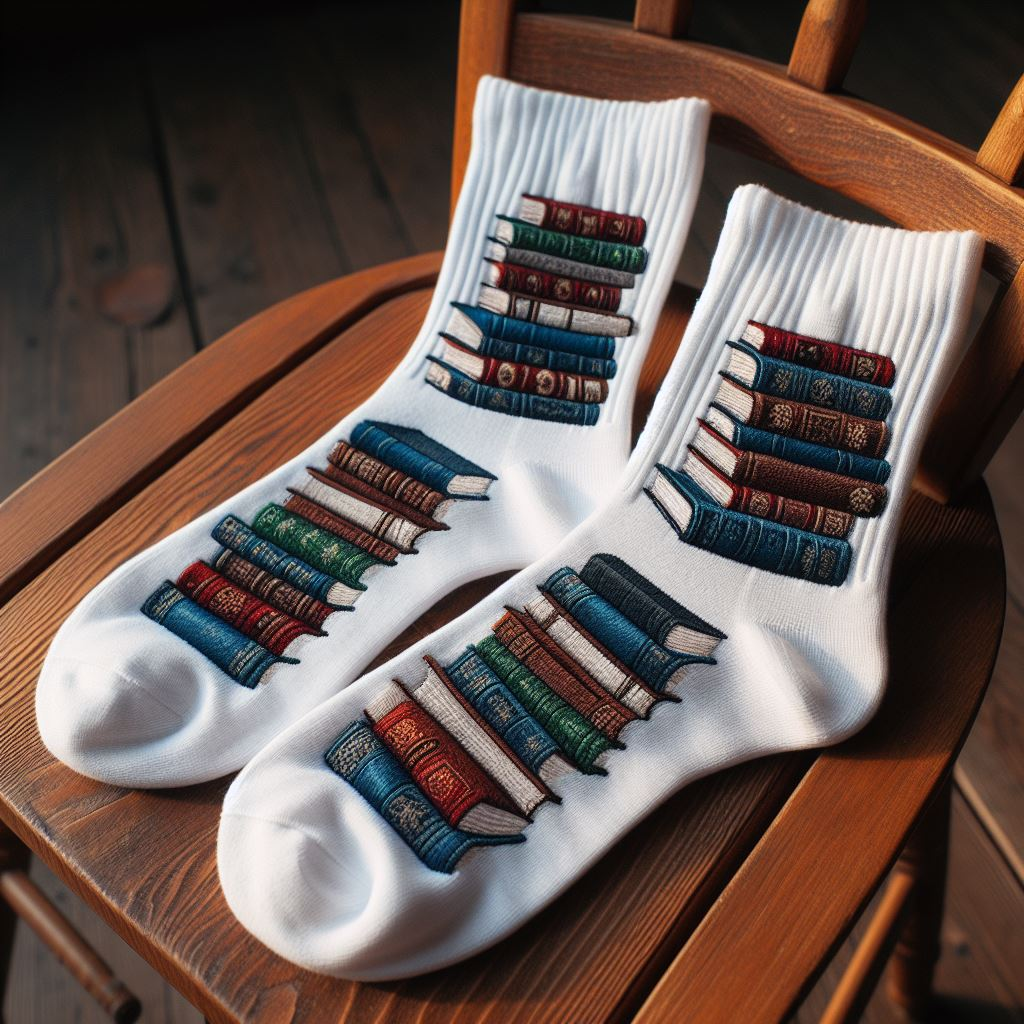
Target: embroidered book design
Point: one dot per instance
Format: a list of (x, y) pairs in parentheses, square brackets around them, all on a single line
[(540, 341), (787, 457), (282, 576), (473, 747)]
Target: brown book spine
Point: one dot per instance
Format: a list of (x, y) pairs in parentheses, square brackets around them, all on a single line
[(804, 515), (274, 591), (383, 479), (576, 688), (348, 484), (325, 518), (820, 426), (574, 387), (817, 486)]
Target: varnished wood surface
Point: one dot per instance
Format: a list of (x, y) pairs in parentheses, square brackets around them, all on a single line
[(829, 33), (1002, 152), (145, 861)]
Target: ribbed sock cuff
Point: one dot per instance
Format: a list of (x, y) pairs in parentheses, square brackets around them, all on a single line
[(905, 294), (644, 159)]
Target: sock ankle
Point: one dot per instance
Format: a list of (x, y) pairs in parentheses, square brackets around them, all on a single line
[(647, 649), (187, 659)]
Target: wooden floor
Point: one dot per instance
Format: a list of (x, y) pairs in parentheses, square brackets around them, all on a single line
[(160, 183)]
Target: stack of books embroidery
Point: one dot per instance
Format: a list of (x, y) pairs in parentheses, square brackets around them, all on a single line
[(787, 457), (465, 757), (540, 341), (280, 577)]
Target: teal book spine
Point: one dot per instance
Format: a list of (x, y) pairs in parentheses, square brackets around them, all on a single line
[(546, 358), (523, 332), (760, 543), (806, 453), (654, 664), (363, 761), (513, 403), (630, 258), (815, 387), (501, 710), (237, 537)]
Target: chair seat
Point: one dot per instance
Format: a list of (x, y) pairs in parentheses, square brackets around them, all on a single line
[(689, 910)]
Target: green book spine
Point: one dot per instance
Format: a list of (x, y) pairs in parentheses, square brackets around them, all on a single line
[(322, 549), (577, 737), (630, 258)]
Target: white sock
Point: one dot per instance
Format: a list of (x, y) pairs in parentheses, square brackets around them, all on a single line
[(125, 698), (315, 871)]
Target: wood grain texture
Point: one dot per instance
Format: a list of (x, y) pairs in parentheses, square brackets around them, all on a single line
[(825, 45), (145, 861), (80, 204), (978, 978), (754, 955), (45, 516), (1002, 152), (669, 18), (485, 33)]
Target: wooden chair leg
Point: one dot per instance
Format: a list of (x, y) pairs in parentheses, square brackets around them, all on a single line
[(925, 859), (905, 927), (22, 898)]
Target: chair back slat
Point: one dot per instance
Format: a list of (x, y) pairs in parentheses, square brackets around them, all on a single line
[(485, 34), (824, 47), (1002, 152), (669, 18), (913, 176)]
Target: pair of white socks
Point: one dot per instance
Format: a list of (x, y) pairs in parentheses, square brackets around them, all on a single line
[(663, 639)]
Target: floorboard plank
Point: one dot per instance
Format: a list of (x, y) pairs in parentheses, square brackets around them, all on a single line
[(79, 204)]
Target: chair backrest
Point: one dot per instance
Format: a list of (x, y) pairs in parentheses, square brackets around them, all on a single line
[(792, 116)]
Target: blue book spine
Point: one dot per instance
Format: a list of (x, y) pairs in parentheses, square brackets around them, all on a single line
[(376, 439), (806, 453), (360, 758), (760, 543), (815, 387), (233, 652), (507, 328), (654, 664), (515, 403), (546, 358), (235, 535), (500, 709)]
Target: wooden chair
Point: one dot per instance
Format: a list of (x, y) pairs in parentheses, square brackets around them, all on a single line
[(727, 903)]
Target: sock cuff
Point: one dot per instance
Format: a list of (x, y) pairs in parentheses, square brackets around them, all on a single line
[(902, 294), (639, 158)]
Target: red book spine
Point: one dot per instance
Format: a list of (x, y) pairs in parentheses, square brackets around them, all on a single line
[(575, 688), (829, 356), (325, 518), (544, 285), (449, 778), (804, 515), (575, 219), (357, 466), (269, 627), (539, 381), (805, 484), (819, 426)]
